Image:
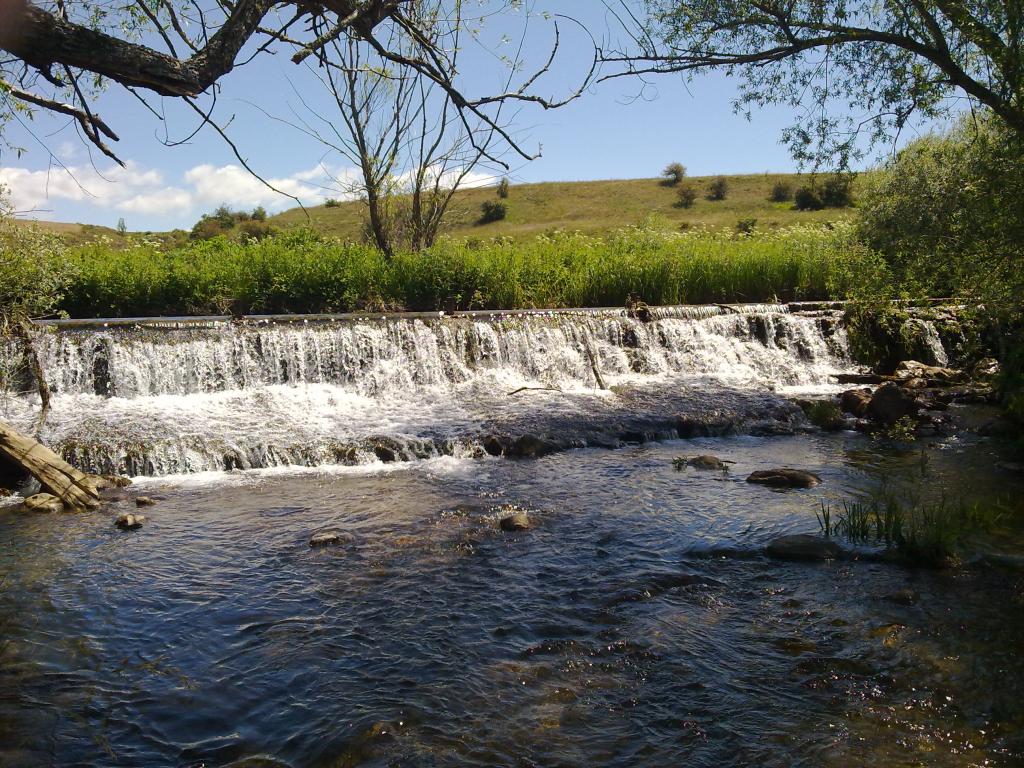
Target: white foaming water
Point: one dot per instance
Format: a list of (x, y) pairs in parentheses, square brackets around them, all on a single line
[(147, 401)]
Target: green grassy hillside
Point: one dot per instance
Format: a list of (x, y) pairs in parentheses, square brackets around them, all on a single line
[(591, 207)]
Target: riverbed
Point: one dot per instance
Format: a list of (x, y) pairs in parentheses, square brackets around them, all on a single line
[(636, 622)]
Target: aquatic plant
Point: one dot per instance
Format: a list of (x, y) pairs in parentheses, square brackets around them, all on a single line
[(926, 532)]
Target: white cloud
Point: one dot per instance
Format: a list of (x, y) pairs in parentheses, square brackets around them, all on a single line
[(145, 191)]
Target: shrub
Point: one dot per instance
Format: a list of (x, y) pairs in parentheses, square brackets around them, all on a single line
[(502, 189), (837, 191), (331, 203), (687, 195), (224, 216), (255, 229), (207, 228), (259, 213), (746, 226), (34, 270), (782, 192), (807, 198), (719, 188), (491, 211), (673, 174)]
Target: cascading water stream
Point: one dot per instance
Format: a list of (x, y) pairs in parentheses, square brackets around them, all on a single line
[(223, 395)]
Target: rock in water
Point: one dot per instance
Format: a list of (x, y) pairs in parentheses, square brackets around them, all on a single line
[(330, 539), (890, 403), (517, 520), (855, 401), (144, 501), (129, 522), (43, 502), (706, 462), (903, 597), (911, 369), (785, 478), (804, 547), (532, 447)]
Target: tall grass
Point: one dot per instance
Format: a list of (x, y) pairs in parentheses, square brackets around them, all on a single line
[(928, 532), (301, 271)]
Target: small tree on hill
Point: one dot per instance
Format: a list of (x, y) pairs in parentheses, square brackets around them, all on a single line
[(719, 189), (807, 199), (687, 195), (837, 191), (673, 174), (502, 189), (782, 191)]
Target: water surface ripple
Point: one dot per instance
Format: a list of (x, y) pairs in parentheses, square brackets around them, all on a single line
[(614, 632)]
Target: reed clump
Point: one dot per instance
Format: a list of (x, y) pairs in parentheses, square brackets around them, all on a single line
[(924, 532), (302, 272)]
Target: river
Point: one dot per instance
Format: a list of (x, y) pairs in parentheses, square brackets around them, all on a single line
[(636, 622)]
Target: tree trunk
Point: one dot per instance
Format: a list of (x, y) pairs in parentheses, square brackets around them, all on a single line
[(76, 489), (21, 332)]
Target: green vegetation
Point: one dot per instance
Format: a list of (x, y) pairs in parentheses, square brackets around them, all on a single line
[(673, 174), (224, 221), (946, 214), (492, 211), (34, 272), (718, 189), (591, 207), (686, 195), (931, 533), (300, 271), (782, 192)]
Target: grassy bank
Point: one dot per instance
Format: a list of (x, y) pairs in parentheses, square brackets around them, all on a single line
[(305, 272), (593, 207)]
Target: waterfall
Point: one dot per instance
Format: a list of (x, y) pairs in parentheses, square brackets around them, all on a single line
[(216, 395)]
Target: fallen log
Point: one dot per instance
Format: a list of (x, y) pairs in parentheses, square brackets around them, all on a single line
[(76, 489)]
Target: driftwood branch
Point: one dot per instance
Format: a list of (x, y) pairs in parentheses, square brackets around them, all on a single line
[(76, 489)]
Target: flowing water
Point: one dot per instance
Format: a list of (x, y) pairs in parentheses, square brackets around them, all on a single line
[(635, 623)]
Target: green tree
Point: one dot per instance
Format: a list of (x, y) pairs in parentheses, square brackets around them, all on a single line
[(947, 212), (837, 60), (719, 188), (34, 270), (673, 174)]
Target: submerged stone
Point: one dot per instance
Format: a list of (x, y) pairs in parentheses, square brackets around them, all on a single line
[(784, 477), (804, 547), (144, 501), (903, 597), (330, 539)]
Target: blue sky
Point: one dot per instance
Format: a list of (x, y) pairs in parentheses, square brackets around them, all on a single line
[(608, 133)]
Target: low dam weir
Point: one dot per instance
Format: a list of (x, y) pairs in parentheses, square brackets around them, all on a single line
[(163, 396)]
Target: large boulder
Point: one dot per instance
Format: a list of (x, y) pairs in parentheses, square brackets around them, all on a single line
[(804, 547), (784, 477), (855, 401), (912, 369), (890, 403), (43, 502)]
